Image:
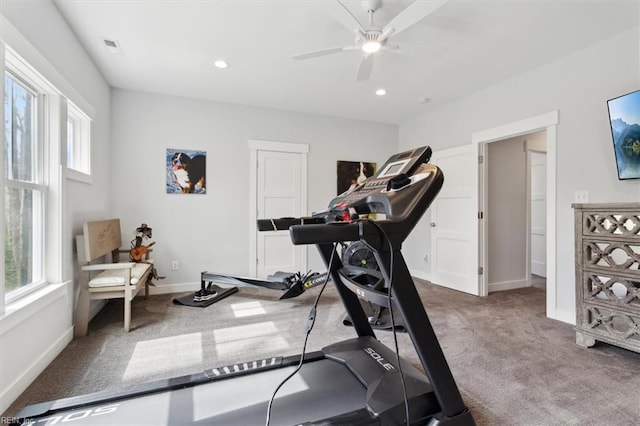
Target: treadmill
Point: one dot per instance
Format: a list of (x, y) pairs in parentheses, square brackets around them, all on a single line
[(354, 382)]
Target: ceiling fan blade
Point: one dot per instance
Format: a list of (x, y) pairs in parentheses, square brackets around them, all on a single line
[(365, 67), (394, 49), (386, 34), (416, 11), (324, 52)]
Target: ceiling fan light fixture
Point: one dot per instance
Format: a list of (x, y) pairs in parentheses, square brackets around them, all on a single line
[(371, 38), (371, 46)]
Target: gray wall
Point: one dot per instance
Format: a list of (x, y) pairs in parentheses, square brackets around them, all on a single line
[(578, 86), (506, 211), (211, 232)]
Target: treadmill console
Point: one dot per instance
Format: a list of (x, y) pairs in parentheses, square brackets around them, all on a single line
[(371, 196)]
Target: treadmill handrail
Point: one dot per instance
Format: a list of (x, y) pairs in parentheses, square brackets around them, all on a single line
[(284, 223), (332, 232)]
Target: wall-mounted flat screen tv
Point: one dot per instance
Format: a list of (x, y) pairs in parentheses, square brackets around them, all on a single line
[(624, 115)]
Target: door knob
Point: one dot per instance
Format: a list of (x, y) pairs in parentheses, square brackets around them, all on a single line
[(432, 224)]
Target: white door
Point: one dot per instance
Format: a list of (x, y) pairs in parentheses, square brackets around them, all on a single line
[(538, 213), (454, 220), (278, 194)]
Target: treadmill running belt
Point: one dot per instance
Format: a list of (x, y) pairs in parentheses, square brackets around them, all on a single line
[(321, 389)]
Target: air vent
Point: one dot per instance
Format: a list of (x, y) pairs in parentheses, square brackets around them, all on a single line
[(112, 46)]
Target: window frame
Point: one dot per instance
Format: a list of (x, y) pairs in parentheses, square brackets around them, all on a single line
[(58, 250), (37, 185), (46, 179), (80, 145)]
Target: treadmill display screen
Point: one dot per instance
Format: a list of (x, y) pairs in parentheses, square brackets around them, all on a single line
[(393, 169)]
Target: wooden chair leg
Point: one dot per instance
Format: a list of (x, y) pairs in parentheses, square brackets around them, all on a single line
[(127, 310), (82, 313)]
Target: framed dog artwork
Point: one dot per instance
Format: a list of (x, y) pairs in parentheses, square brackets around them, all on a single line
[(351, 173), (186, 171)]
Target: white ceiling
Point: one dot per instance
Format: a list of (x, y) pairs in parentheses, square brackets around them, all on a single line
[(464, 46)]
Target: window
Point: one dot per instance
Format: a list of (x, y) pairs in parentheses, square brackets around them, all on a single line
[(78, 143), (46, 142), (34, 114), (24, 191)]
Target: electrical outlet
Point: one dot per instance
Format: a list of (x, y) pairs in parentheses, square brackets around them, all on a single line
[(175, 265), (581, 197)]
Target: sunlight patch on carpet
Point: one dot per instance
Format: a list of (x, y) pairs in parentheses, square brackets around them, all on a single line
[(232, 341), (151, 357), (247, 309)]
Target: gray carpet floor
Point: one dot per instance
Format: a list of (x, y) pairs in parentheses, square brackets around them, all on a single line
[(513, 365)]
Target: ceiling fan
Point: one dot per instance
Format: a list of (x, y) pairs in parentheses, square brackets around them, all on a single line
[(371, 39)]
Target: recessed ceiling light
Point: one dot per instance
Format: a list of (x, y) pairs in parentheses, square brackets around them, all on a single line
[(220, 64), (381, 92)]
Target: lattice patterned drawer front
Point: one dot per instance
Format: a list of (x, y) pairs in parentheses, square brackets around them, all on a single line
[(614, 256), (611, 224), (607, 247), (611, 324), (619, 291)]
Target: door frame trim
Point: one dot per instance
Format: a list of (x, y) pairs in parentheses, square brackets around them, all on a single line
[(256, 145), (547, 122)]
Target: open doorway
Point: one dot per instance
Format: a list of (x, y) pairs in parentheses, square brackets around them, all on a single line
[(515, 212), (467, 256), (546, 123)]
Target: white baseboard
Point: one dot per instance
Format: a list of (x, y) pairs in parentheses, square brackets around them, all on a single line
[(565, 316), (539, 268), (13, 391), (420, 274), (508, 285), (174, 288)]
